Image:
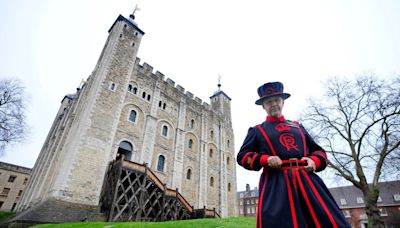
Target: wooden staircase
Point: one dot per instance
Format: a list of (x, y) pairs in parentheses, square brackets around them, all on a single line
[(132, 192)]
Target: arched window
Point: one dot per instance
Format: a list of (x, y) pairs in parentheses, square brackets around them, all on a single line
[(165, 131), (148, 97), (211, 153), (212, 134), (211, 181), (164, 106), (228, 143), (125, 149), (229, 187), (191, 125), (112, 86), (130, 88), (160, 164), (144, 95), (159, 104), (190, 145), (227, 160), (132, 116), (135, 90), (189, 174)]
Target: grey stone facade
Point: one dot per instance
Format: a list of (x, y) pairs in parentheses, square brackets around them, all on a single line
[(124, 107)]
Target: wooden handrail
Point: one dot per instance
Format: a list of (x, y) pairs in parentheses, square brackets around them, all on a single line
[(153, 177)]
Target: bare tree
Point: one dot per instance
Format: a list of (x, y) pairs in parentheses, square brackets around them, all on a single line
[(12, 113), (358, 123)]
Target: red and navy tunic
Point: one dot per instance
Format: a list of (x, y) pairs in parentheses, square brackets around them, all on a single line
[(289, 196)]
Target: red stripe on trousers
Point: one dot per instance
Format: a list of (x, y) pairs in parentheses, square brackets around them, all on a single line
[(266, 138), (260, 203), (319, 199), (292, 209), (310, 208)]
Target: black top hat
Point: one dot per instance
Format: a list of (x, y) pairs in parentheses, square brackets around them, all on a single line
[(271, 89)]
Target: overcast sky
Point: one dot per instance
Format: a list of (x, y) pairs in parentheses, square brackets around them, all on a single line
[(51, 45)]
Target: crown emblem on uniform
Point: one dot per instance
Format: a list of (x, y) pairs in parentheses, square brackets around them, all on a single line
[(282, 127)]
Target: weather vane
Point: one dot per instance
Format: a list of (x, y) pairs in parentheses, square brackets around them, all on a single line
[(134, 10), (219, 82)]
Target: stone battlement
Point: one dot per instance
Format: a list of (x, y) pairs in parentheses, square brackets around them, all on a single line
[(149, 71)]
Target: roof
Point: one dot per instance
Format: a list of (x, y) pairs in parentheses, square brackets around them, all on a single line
[(122, 18), (387, 190), (220, 92)]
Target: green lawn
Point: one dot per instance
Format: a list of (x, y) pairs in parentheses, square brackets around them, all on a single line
[(194, 223)]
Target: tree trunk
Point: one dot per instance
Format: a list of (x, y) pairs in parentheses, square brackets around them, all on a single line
[(372, 210)]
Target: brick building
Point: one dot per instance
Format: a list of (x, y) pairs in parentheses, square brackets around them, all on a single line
[(13, 180), (247, 202), (351, 201)]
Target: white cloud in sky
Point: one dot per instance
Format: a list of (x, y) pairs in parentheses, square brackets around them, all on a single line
[(51, 45)]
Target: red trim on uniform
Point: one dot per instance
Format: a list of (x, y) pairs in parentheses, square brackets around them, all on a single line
[(261, 197), (294, 174), (316, 161), (304, 142), (319, 199), (322, 154), (252, 161), (267, 139), (275, 119), (264, 160), (310, 208), (292, 209), (245, 157)]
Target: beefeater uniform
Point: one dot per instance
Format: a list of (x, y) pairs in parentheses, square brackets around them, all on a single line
[(289, 196)]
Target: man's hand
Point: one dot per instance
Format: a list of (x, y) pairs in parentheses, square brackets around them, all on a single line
[(310, 167), (274, 162)]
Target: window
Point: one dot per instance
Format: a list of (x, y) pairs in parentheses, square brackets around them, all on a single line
[(164, 106), (148, 97), (360, 200), (229, 187), (134, 90), (1, 204), (164, 131), (112, 86), (252, 201), (227, 160), (133, 44), (189, 174), (241, 195), (132, 116), (25, 180), (240, 202), (159, 104), (191, 125), (379, 199), (212, 181), (160, 164), (20, 193), (343, 201), (13, 206), (12, 178), (227, 143), (190, 145), (253, 210), (144, 95), (253, 194), (124, 150), (211, 153), (212, 134), (5, 191), (396, 197), (241, 211), (130, 88), (248, 210), (383, 212)]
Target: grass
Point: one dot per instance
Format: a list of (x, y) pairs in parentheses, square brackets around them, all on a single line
[(5, 215), (194, 223)]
